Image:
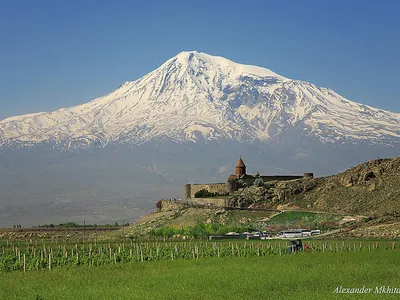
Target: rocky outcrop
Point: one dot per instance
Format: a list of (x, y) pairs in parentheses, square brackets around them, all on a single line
[(371, 188), (273, 192)]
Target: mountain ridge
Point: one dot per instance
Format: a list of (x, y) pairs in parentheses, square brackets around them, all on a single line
[(198, 97)]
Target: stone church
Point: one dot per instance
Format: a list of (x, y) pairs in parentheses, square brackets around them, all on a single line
[(235, 180)]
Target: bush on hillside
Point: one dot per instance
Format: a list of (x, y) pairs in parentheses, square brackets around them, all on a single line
[(242, 183), (206, 194), (199, 230), (158, 205), (259, 182)]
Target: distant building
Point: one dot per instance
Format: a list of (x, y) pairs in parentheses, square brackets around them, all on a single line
[(232, 184)]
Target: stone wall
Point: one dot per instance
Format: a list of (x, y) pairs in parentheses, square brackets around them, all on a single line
[(172, 205), (250, 179), (219, 202), (191, 189), (280, 177)]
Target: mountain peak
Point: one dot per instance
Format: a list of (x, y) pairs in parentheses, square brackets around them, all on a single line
[(186, 54), (204, 60)]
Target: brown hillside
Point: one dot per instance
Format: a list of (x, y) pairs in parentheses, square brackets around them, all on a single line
[(371, 188)]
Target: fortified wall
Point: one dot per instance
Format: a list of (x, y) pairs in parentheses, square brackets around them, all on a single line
[(250, 179), (172, 205), (221, 188), (218, 202)]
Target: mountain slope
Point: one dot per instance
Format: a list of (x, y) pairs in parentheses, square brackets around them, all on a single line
[(196, 97)]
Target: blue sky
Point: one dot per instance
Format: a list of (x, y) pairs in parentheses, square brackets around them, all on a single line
[(57, 53)]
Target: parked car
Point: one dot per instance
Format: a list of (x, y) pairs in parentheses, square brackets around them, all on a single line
[(313, 232)]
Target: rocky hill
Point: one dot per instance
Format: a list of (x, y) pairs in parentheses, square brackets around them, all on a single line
[(361, 202), (371, 189)]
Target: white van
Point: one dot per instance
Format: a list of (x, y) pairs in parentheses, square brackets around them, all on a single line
[(293, 233)]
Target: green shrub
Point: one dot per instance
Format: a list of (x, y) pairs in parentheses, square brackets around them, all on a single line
[(242, 183), (206, 194), (259, 182), (199, 230)]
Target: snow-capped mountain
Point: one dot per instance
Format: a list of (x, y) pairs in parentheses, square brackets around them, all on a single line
[(195, 96)]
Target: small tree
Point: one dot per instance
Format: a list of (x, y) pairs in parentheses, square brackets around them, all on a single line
[(202, 194), (242, 183), (158, 205), (259, 182)]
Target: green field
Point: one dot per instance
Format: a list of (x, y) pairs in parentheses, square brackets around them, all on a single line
[(305, 219), (41, 255), (298, 276)]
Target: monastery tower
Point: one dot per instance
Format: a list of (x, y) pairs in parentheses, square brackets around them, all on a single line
[(240, 168)]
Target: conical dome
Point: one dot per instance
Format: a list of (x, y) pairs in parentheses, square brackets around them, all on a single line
[(240, 168), (240, 163)]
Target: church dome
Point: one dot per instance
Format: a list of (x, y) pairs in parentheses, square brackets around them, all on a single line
[(240, 163), (240, 168)]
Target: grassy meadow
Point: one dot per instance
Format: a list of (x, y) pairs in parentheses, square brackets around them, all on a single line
[(306, 275)]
